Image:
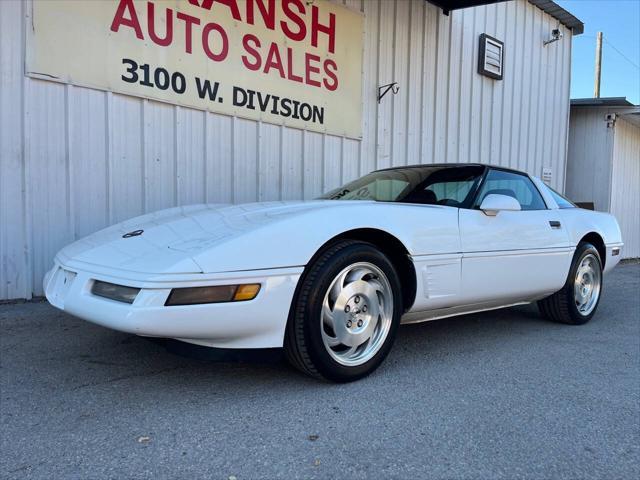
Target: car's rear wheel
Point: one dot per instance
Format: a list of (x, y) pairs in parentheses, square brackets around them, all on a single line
[(578, 300), (346, 312)]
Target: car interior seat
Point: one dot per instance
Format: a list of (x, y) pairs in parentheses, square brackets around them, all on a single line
[(423, 196)]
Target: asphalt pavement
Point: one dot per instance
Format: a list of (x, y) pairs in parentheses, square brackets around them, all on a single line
[(502, 394)]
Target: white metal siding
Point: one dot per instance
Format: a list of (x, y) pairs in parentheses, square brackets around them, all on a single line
[(589, 157), (625, 185), (603, 166), (75, 160)]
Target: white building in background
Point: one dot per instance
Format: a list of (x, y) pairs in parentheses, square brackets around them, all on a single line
[(88, 139), (603, 166)]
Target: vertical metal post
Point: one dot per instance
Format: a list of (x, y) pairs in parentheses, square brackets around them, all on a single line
[(596, 86)]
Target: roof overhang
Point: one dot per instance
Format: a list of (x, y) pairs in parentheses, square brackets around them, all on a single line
[(618, 105), (448, 5), (601, 102), (563, 16), (547, 6)]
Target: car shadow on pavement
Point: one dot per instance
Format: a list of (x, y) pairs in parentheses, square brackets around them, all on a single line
[(418, 335), (423, 342), (75, 355)]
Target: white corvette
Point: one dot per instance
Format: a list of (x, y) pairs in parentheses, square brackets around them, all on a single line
[(330, 280)]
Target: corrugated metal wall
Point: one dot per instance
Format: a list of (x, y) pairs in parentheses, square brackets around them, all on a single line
[(625, 185), (603, 167), (75, 160), (589, 154)]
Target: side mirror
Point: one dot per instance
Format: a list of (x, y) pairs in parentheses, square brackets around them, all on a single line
[(494, 203)]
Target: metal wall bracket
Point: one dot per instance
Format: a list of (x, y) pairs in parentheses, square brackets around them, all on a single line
[(384, 89)]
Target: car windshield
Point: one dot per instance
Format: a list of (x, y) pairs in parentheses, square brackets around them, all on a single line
[(452, 186)]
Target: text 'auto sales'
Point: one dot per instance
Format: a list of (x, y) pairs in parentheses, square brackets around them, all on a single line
[(295, 19)]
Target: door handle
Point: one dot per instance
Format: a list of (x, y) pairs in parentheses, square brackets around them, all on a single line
[(555, 224)]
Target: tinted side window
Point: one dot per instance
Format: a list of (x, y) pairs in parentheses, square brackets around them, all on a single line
[(560, 200), (513, 185), (451, 193), (450, 186)]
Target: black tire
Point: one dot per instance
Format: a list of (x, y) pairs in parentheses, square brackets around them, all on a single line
[(303, 343), (561, 306)]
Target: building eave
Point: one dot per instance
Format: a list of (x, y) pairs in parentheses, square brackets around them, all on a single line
[(565, 17), (552, 8), (619, 106), (601, 102)]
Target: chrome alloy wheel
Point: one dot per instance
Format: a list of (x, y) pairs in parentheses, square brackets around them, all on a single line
[(357, 313), (587, 284)]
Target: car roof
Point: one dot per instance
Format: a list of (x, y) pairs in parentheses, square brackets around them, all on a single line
[(453, 165)]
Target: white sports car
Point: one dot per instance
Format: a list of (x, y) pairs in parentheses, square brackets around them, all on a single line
[(330, 280)]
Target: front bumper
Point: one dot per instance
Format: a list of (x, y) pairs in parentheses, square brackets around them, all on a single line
[(258, 323)]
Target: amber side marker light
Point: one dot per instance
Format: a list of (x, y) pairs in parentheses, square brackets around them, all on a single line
[(215, 294)]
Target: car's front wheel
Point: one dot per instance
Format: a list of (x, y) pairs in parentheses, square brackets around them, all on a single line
[(578, 300), (346, 313)]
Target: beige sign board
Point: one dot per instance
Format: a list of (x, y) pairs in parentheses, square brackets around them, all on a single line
[(291, 62)]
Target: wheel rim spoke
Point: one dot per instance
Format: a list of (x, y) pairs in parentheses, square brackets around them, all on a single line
[(357, 274), (376, 285), (587, 285), (327, 314), (349, 353), (336, 288), (357, 312)]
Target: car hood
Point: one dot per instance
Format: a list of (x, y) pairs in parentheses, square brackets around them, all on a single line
[(179, 240)]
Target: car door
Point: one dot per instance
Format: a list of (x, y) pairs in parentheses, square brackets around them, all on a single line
[(514, 255), (438, 275)]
